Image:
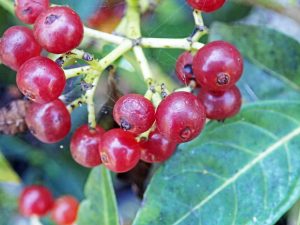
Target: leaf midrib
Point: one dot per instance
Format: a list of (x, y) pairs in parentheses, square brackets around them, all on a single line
[(246, 168)]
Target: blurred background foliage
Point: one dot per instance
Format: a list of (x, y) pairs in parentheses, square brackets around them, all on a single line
[(25, 160)]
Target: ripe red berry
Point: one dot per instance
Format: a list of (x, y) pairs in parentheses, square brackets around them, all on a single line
[(206, 5), (17, 45), (28, 10), (58, 29), (41, 80), (85, 144), (134, 113), (221, 105), (184, 70), (65, 210), (49, 122), (156, 148), (35, 200), (119, 151), (180, 117), (218, 66)]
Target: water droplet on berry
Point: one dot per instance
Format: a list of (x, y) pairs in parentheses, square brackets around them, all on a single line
[(61, 146)]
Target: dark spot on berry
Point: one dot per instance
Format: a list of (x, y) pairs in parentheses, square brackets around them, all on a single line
[(50, 19), (125, 125), (104, 157), (187, 69), (27, 11), (223, 78), (32, 130), (186, 133), (87, 57), (58, 119), (29, 95)]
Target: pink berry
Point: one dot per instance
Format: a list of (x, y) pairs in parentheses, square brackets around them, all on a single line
[(58, 29), (18, 45)]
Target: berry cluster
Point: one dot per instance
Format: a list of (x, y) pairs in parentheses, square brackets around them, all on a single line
[(149, 128), (39, 78), (215, 68), (38, 201)]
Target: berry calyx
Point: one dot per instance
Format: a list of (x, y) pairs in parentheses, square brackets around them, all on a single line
[(35, 200), (49, 122), (58, 29), (119, 151), (221, 105), (184, 69), (28, 10), (156, 148), (41, 80), (84, 146), (180, 117), (134, 113), (17, 45), (65, 210), (206, 5), (218, 66)]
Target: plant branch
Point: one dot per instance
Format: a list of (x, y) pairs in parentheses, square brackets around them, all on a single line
[(144, 64), (115, 39), (182, 43), (69, 73)]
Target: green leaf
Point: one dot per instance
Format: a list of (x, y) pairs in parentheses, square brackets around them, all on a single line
[(100, 206), (272, 51), (7, 174), (259, 84), (245, 171)]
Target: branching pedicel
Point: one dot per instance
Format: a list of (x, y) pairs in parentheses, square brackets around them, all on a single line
[(147, 134)]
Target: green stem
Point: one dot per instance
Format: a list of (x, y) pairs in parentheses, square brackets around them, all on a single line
[(90, 103), (170, 43), (124, 47), (115, 39), (76, 103), (8, 5), (77, 71)]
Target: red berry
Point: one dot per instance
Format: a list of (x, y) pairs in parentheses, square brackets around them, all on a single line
[(65, 210), (58, 29), (218, 66), (134, 113), (28, 10), (184, 70), (17, 45), (119, 151), (41, 80), (85, 144), (49, 122), (206, 5), (35, 201), (156, 148), (221, 105), (180, 117)]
